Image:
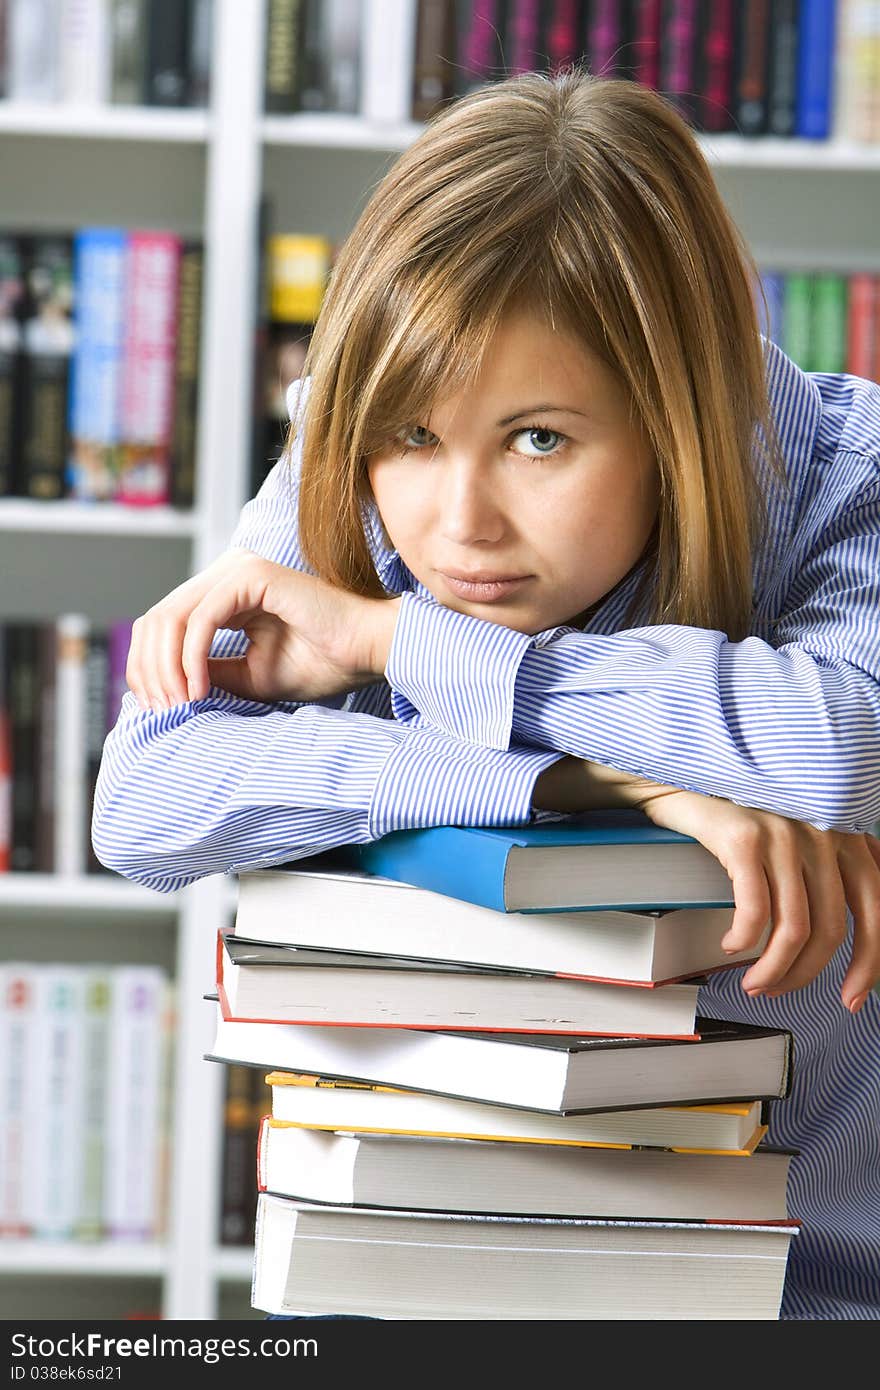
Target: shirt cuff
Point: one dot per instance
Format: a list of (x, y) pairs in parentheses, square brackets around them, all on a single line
[(457, 672), (477, 786)]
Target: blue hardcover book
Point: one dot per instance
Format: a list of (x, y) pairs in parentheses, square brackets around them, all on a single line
[(815, 71), (99, 258), (601, 859)]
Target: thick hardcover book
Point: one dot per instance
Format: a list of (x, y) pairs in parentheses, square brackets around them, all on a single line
[(167, 75), (783, 60), (752, 70), (257, 982), (604, 859), (815, 77), (391, 1170), (47, 347), (99, 257), (716, 46), (431, 1265), (282, 62), (317, 903), (539, 1071), (186, 375)]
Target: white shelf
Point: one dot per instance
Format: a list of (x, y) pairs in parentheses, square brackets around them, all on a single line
[(87, 893), (68, 1257), (333, 131), (232, 1263), (66, 121), (95, 518)]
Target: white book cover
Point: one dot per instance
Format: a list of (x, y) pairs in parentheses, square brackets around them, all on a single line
[(32, 50), (97, 990), (71, 791), (17, 1040), (134, 1102), (84, 52), (388, 36), (54, 1102)]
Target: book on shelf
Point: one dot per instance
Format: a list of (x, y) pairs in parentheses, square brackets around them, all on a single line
[(317, 902), (47, 346), (547, 1072), (782, 70), (320, 1102), (128, 51), (312, 1258), (752, 67), (601, 859), (815, 77), (96, 364), (245, 1101), (12, 290), (466, 1175), (167, 67), (186, 374), (260, 982)]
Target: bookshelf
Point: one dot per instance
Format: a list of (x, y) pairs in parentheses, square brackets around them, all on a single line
[(202, 173)]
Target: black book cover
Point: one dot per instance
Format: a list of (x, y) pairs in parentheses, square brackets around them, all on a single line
[(783, 65), (22, 680), (168, 49), (281, 76), (186, 375), (11, 301), (751, 66), (97, 687), (47, 342)]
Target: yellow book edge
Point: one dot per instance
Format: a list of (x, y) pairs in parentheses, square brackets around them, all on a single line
[(746, 1152)]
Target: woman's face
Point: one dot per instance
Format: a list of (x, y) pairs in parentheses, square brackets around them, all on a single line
[(526, 498)]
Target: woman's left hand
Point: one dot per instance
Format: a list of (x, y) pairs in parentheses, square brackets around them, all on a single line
[(789, 874), (307, 639)]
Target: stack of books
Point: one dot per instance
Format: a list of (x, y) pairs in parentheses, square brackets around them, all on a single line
[(492, 1095)]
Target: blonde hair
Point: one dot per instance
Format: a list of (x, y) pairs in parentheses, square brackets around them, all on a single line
[(588, 201)]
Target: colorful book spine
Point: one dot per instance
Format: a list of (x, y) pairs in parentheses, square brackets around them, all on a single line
[(715, 60), (678, 54), (797, 318), (92, 1130), (479, 26), (752, 67), (55, 1101), (647, 30), (17, 1043), (11, 297), (828, 330), (770, 305), (783, 67), (863, 327), (96, 366), (186, 375), (148, 368), (134, 1099), (523, 36), (561, 33), (815, 79)]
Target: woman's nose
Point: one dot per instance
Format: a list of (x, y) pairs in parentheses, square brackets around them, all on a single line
[(471, 509)]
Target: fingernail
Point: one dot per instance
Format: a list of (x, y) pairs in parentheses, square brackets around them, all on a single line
[(856, 1004), (754, 993)]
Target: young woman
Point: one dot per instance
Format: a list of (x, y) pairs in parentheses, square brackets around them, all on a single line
[(558, 529)]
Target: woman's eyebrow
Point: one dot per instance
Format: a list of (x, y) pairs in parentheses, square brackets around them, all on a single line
[(534, 409)]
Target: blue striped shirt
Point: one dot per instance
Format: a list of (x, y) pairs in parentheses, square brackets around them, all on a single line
[(470, 713)]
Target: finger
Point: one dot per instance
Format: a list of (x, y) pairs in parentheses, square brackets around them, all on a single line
[(234, 675), (827, 912), (170, 674), (751, 896), (152, 695), (790, 917), (227, 605), (133, 667), (860, 872)]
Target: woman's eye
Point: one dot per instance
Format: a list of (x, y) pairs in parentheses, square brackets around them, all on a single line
[(416, 437), (542, 440)]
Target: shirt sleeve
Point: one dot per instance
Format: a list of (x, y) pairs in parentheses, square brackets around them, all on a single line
[(791, 726)]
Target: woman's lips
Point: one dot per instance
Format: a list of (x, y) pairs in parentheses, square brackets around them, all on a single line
[(486, 590)]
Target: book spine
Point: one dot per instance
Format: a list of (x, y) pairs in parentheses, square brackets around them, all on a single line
[(96, 995), (313, 58), (783, 60), (47, 342), (752, 71), (5, 763), (815, 71), (118, 643), (17, 1043), (84, 51), (862, 326), (99, 275), (344, 54), (770, 314), (130, 1210), (478, 28), (797, 315), (72, 636), (23, 692), (11, 297), (561, 33), (201, 26), (828, 329), (678, 52), (281, 76), (96, 728), (186, 375), (127, 51), (604, 37), (56, 1101), (46, 808), (441, 863), (148, 368), (431, 84), (33, 50), (716, 50), (167, 75), (523, 35), (237, 1186)]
